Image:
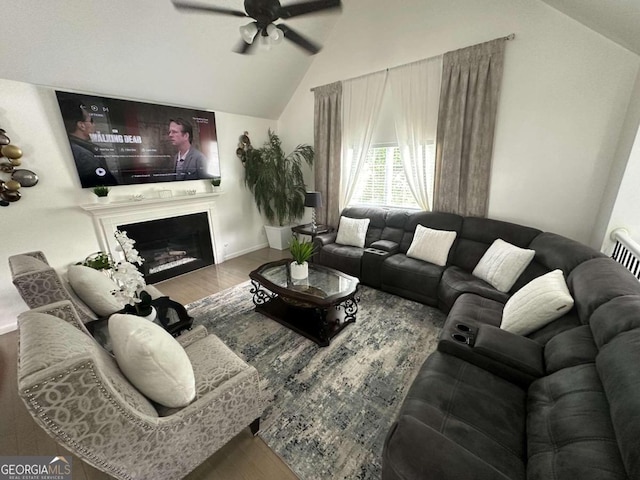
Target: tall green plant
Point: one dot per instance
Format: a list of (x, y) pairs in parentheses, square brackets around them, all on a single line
[(276, 180)]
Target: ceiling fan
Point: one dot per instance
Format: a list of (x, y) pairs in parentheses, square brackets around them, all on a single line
[(265, 13)]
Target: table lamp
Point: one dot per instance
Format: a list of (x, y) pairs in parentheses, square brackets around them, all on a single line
[(313, 200)]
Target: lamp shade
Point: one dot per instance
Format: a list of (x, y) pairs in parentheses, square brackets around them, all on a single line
[(248, 32), (313, 199)]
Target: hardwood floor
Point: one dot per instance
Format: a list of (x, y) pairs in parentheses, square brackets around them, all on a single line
[(243, 458)]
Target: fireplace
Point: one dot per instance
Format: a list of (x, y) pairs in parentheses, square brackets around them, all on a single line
[(172, 246), (174, 235)]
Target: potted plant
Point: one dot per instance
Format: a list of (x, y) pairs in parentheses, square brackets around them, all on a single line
[(97, 261), (300, 252), (277, 184), (215, 182), (102, 193)]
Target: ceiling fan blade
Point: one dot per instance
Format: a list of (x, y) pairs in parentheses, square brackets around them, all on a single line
[(243, 47), (299, 40), (297, 9), (207, 8)]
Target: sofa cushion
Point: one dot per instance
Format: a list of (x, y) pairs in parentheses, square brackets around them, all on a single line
[(502, 264), (617, 364), (431, 245), (466, 405), (550, 330), (341, 257), (95, 289), (411, 278), (478, 234), (214, 363), (152, 360), (536, 304), (615, 317), (352, 231), (569, 430), (570, 348), (456, 282), (595, 282), (555, 251)]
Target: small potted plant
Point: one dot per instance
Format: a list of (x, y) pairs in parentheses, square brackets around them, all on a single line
[(97, 261), (215, 182), (102, 193), (300, 252)]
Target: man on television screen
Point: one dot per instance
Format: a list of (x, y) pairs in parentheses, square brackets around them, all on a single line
[(92, 169), (191, 164)]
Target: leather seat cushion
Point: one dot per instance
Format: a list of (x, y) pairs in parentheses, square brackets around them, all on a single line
[(569, 429), (466, 405)]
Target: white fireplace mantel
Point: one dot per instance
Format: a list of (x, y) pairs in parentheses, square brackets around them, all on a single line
[(107, 217)]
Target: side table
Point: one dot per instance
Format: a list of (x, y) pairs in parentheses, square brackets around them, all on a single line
[(308, 230), (171, 316)]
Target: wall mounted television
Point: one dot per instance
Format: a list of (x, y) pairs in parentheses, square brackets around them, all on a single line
[(124, 142)]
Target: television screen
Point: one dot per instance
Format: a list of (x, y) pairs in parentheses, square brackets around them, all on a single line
[(122, 142)]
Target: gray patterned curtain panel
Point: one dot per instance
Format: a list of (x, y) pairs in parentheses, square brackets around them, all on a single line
[(327, 146), (471, 79)]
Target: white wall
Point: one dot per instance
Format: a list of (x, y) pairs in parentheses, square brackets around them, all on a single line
[(564, 96), (48, 216), (625, 211)]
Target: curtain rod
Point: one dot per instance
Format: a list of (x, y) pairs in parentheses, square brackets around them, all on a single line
[(511, 36)]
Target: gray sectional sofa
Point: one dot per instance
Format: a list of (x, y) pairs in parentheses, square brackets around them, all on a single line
[(560, 403)]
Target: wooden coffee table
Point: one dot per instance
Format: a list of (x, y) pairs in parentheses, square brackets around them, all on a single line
[(318, 307)]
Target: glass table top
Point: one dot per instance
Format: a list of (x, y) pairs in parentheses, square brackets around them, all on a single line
[(321, 283)]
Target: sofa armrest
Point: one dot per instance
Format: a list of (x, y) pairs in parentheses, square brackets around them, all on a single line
[(65, 310), (515, 358), (191, 336), (323, 239), (386, 246), (512, 350)]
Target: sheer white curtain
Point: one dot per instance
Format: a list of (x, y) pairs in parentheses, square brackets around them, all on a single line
[(361, 100), (415, 90)]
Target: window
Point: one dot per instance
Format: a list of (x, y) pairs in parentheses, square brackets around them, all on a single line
[(382, 181)]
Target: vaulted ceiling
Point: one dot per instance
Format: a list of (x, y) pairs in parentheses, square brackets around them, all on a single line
[(618, 20), (148, 50)]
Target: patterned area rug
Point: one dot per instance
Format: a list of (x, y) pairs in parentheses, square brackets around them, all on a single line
[(328, 409)]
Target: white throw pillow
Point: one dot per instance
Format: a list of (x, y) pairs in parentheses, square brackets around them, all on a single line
[(502, 264), (431, 245), (152, 360), (94, 288), (539, 302), (352, 231)]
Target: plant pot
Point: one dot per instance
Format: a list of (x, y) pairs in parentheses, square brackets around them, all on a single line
[(102, 199), (278, 237), (299, 271), (152, 316)]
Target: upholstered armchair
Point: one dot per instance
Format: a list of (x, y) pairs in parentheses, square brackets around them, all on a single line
[(39, 284), (75, 391)]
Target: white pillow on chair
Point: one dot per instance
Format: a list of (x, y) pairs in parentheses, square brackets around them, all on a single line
[(352, 231), (502, 264), (431, 245), (94, 288), (152, 360)]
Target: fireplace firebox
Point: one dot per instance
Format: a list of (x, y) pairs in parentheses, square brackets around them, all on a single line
[(172, 246)]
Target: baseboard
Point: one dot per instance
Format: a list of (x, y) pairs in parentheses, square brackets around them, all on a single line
[(8, 328), (245, 251)]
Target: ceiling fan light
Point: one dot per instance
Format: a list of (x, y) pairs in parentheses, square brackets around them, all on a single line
[(248, 32), (275, 34)]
